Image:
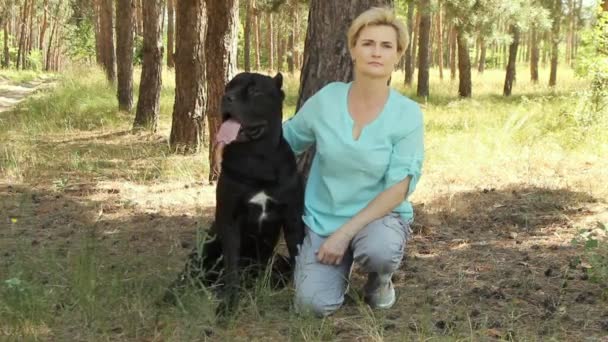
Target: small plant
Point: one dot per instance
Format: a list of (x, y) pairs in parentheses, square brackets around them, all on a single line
[(596, 252)]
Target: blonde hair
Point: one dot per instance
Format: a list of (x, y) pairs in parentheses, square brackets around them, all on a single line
[(376, 16)]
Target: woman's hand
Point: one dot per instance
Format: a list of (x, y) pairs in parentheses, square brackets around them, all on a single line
[(333, 249)]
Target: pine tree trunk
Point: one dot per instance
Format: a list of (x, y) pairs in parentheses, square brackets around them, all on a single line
[(432, 30), (247, 43), (45, 8), (440, 40), (415, 41), (188, 123), (140, 17), (107, 34), (290, 53), (453, 47), (527, 45), (481, 67), (270, 41), (148, 103), (7, 58), (98, 38), (557, 12), (534, 55), (424, 48), (464, 65), (256, 30), (326, 56), (296, 35), (124, 53), (49, 48), (20, 48), (220, 46), (409, 57), (511, 71), (30, 39), (171, 33), (570, 34), (280, 52)]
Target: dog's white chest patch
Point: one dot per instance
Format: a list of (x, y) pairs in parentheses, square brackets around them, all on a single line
[(261, 199)]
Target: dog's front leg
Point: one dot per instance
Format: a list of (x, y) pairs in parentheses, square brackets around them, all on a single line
[(231, 245), (293, 230)]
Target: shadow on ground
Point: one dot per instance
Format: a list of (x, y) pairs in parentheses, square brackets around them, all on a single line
[(494, 262)]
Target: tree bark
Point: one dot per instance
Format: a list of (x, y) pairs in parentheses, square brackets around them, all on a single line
[(409, 57), (424, 48), (534, 55), (170, 33), (43, 27), (220, 47), (148, 104), (6, 58), (570, 33), (295, 54), (188, 123), (557, 12), (464, 65), (510, 76), (270, 40), (481, 67), (290, 52), (256, 30), (415, 40), (140, 17), (247, 37), (22, 30), (98, 37), (107, 35), (440, 40), (280, 52), (326, 54), (49, 48), (124, 51), (30, 39), (453, 48)]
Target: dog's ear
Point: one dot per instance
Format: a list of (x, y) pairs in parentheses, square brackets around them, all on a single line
[(278, 79)]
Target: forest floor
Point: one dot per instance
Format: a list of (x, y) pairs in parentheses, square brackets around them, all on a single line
[(95, 222)]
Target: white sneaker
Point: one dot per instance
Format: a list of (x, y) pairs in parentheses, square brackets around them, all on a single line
[(383, 294)]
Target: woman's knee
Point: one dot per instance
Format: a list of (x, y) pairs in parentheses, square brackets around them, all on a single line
[(317, 305), (380, 258)]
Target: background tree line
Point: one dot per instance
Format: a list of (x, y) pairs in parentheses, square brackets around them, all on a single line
[(207, 41)]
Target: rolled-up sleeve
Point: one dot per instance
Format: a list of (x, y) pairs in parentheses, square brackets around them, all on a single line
[(298, 130), (406, 159)]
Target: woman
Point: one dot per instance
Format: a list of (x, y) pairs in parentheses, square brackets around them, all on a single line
[(369, 153)]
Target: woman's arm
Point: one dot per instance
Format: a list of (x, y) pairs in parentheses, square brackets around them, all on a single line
[(332, 251), (403, 173), (298, 131)]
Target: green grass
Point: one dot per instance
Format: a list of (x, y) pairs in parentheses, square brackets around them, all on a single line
[(22, 76), (98, 218)]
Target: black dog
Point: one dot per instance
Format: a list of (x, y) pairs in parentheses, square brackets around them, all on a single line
[(259, 191)]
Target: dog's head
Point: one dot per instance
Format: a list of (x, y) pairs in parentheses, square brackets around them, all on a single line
[(255, 101)]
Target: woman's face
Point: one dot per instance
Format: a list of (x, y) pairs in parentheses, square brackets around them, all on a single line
[(375, 51)]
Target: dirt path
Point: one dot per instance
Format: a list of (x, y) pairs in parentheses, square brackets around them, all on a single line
[(11, 94)]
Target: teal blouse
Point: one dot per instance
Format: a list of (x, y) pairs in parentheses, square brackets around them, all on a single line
[(346, 174)]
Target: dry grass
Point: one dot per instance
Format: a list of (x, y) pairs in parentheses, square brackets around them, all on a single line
[(97, 221)]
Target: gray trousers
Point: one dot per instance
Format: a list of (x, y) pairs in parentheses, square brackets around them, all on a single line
[(378, 249)]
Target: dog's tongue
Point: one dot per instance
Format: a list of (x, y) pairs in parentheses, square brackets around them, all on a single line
[(228, 131)]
